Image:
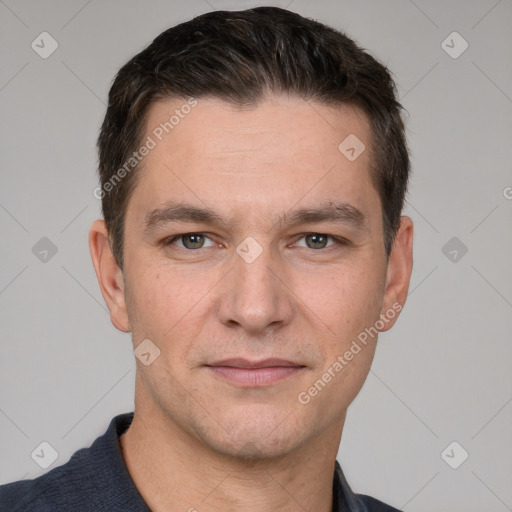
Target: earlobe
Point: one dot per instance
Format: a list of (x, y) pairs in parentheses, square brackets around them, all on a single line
[(110, 276), (399, 271)]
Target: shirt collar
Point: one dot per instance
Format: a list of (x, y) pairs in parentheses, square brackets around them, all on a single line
[(343, 498)]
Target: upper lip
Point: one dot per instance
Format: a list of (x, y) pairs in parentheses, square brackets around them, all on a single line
[(263, 363)]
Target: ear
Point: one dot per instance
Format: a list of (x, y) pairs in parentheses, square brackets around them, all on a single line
[(110, 276), (398, 273)]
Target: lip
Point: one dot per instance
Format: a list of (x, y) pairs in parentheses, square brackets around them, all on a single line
[(247, 373), (239, 362)]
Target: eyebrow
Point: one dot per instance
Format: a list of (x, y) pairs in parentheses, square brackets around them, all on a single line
[(341, 213), (180, 212)]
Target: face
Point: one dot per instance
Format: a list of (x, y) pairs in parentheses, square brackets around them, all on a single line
[(254, 259)]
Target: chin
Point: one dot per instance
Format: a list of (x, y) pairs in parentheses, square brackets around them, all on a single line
[(252, 448), (254, 435)]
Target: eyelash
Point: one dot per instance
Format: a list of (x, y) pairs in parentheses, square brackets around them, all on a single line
[(338, 240)]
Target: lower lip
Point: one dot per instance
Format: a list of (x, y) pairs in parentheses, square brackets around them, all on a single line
[(255, 377)]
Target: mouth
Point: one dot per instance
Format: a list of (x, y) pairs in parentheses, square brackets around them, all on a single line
[(246, 373)]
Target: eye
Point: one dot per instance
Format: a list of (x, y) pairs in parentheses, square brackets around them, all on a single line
[(318, 241), (190, 241)]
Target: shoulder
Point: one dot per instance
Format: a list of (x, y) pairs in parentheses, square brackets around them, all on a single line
[(369, 504), (56, 490), (89, 481)]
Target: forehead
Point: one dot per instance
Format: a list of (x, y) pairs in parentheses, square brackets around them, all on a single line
[(274, 153), (211, 125)]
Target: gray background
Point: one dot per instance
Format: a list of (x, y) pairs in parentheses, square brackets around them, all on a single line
[(441, 375)]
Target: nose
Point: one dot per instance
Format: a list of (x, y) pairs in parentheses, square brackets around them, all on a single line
[(255, 296)]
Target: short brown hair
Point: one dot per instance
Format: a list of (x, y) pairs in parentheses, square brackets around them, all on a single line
[(240, 57)]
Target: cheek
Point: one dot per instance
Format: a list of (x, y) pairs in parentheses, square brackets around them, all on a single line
[(165, 307), (352, 303), (335, 386), (345, 299), (150, 304)]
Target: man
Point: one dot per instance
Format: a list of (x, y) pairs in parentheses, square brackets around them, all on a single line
[(253, 170)]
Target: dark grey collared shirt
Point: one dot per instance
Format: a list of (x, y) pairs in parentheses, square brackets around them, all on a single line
[(96, 479)]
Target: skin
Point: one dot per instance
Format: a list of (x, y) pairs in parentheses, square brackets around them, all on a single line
[(198, 441)]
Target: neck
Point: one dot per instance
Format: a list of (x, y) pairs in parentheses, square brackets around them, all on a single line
[(174, 471)]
